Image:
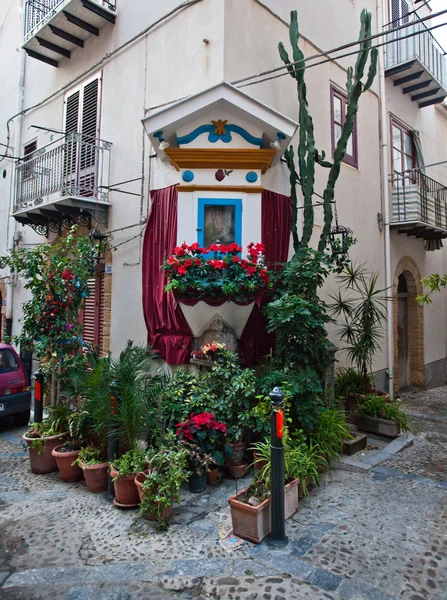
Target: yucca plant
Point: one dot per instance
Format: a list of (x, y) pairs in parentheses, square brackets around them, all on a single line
[(361, 306)]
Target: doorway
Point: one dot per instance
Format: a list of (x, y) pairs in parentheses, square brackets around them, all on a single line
[(402, 333), (408, 327)]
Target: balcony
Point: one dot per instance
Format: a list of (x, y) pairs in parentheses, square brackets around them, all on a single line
[(64, 183), (417, 64), (53, 28), (419, 207)]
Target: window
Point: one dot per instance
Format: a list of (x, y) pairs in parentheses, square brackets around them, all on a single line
[(403, 150), (92, 315), (28, 153), (81, 115), (219, 220), (8, 361), (399, 10), (339, 102)]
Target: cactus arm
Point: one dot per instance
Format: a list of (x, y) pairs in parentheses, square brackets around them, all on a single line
[(289, 155), (372, 69)]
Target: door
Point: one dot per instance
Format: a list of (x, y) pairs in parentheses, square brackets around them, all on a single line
[(402, 333)]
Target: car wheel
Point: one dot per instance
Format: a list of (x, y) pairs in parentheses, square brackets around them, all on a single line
[(22, 418)]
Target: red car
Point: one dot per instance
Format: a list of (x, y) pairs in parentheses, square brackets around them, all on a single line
[(15, 395)]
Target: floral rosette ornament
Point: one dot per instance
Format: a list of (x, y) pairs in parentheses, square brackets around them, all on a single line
[(209, 351), (206, 433), (218, 271)]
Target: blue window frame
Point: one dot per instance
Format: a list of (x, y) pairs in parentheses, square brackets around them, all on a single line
[(219, 219)]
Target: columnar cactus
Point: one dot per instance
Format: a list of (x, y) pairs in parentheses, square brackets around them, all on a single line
[(308, 155)]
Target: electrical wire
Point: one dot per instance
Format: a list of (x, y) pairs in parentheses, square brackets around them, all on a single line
[(322, 62), (95, 67), (339, 48), (139, 235)]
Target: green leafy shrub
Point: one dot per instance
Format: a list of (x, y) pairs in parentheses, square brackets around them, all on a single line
[(89, 456), (379, 407), (130, 463), (348, 380), (330, 433)]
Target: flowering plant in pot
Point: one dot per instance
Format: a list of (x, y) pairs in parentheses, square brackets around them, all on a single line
[(217, 271), (159, 486), (209, 437)]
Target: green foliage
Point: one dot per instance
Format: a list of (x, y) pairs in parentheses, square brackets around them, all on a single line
[(360, 306), (130, 463), (226, 389), (89, 456), (379, 407), (433, 283), (330, 433), (45, 429), (56, 275), (348, 380), (167, 471), (300, 460), (308, 155)]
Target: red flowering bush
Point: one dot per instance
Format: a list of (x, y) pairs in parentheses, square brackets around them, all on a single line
[(208, 434), (217, 271)]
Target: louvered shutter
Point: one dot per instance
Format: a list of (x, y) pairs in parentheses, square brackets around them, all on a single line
[(81, 159), (72, 104), (88, 314), (92, 316)]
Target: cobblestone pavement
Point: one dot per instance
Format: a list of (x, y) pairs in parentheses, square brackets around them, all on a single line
[(376, 535)]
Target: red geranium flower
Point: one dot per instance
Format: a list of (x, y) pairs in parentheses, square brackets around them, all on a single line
[(67, 275), (236, 259)]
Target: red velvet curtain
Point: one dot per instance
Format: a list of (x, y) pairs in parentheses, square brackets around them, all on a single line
[(168, 331), (276, 219)]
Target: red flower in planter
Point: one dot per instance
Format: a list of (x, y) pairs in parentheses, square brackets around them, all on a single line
[(67, 275)]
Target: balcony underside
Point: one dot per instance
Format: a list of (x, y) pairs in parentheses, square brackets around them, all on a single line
[(420, 230), (62, 213), (417, 82), (66, 28)]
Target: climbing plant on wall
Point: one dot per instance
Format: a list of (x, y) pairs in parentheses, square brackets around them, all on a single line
[(308, 155)]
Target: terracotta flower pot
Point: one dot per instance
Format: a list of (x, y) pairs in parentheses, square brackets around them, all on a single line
[(152, 516), (238, 451), (237, 471), (253, 523), (126, 491), (212, 476), (64, 460), (96, 476), (41, 459)]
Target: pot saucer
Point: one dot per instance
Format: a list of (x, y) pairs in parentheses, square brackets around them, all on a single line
[(124, 506)]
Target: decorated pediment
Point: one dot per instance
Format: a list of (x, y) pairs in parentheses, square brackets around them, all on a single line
[(219, 126)]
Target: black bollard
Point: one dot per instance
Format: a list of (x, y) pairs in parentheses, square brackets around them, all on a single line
[(278, 536), (38, 396), (113, 446)]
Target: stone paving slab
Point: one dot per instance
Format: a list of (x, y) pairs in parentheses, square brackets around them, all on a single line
[(374, 535)]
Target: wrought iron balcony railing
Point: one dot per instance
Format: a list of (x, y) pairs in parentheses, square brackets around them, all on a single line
[(76, 166), (419, 205), (418, 62)]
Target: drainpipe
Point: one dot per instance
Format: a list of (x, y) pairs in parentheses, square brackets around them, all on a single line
[(17, 152), (386, 205)]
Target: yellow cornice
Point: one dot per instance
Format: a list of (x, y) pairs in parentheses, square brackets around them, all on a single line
[(220, 158)]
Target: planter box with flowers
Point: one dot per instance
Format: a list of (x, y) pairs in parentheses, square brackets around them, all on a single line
[(216, 281)]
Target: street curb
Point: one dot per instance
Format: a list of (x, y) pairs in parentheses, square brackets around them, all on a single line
[(364, 464)]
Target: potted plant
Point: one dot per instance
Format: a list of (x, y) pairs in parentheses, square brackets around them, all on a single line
[(123, 471), (377, 415), (42, 438), (159, 487), (209, 437), (92, 462), (66, 455)]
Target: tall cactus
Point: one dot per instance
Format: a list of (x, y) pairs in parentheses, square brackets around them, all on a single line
[(308, 155)]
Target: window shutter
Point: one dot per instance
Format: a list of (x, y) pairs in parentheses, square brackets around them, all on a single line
[(92, 316), (88, 316)]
